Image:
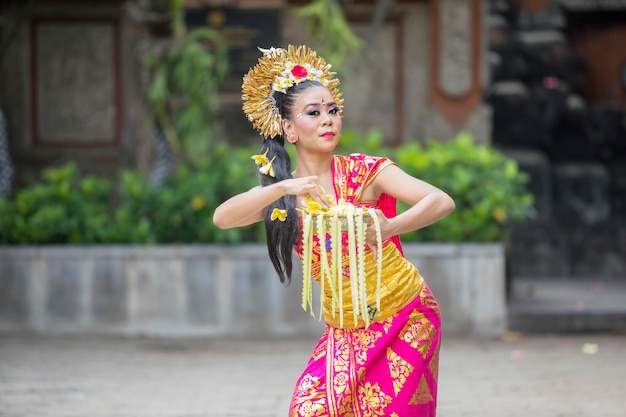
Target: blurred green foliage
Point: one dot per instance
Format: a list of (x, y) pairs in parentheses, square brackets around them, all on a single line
[(62, 209), (183, 92), (488, 188), (329, 31)]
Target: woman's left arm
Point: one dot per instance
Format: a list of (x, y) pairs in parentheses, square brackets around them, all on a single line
[(429, 203)]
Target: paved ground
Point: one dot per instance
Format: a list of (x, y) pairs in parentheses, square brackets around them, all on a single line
[(540, 376)]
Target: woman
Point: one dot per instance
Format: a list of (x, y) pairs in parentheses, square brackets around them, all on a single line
[(385, 366)]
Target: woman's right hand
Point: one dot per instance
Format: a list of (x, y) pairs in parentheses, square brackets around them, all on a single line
[(307, 186)]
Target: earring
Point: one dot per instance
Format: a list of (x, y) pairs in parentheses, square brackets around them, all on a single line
[(292, 137)]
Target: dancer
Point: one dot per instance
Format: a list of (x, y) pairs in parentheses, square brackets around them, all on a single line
[(385, 364)]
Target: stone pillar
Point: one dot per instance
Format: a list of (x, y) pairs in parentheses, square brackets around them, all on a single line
[(6, 167), (457, 66)]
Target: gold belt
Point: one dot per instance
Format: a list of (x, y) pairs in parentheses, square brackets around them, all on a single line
[(400, 284)]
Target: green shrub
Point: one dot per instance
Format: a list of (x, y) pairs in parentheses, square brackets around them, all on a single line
[(62, 209), (487, 187)]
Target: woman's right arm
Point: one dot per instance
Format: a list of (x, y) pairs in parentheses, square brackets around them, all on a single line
[(248, 207)]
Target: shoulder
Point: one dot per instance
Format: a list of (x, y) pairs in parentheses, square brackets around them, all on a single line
[(362, 160)]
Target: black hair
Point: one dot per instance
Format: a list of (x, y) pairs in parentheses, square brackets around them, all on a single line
[(281, 236)]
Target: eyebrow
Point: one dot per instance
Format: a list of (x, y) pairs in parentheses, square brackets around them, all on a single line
[(332, 103)]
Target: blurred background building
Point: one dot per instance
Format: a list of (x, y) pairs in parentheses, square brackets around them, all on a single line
[(558, 94), (74, 79), (543, 80)]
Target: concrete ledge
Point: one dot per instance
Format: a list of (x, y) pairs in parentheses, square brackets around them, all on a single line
[(468, 280), (562, 305), (214, 290)]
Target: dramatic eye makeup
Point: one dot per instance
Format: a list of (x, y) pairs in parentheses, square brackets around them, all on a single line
[(313, 109)]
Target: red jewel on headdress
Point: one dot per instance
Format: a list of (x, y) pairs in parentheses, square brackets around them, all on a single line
[(299, 71)]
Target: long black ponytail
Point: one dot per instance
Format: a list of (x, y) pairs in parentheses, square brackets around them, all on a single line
[(281, 236)]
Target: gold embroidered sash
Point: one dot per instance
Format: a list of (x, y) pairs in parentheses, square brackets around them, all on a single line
[(401, 283)]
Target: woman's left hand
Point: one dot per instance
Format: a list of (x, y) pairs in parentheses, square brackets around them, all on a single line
[(370, 235)]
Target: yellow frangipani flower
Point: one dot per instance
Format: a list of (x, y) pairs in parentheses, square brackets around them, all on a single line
[(267, 168), (310, 205), (279, 214), (261, 159)]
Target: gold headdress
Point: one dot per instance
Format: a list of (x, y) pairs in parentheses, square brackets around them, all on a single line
[(277, 70)]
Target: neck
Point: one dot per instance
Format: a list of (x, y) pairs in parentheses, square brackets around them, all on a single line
[(318, 164)]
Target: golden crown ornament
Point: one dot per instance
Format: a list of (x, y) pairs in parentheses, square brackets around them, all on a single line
[(278, 70)]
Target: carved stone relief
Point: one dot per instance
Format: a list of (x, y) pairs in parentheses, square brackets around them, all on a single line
[(455, 58), (75, 82)]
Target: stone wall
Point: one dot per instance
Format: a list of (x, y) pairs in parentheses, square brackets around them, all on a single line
[(71, 87), (74, 86), (215, 291), (572, 144), (393, 86)]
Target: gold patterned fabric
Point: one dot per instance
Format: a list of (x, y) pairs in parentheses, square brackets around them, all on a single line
[(400, 284), (391, 367)]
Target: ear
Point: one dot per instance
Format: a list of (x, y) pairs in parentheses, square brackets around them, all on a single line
[(288, 127)]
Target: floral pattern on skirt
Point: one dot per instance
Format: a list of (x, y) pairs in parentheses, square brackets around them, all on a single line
[(387, 369)]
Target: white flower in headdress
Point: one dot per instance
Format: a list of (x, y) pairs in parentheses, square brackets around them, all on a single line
[(295, 74)]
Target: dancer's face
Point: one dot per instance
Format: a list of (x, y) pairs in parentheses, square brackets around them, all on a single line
[(315, 120)]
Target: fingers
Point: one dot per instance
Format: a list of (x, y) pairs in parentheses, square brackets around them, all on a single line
[(370, 240), (320, 197), (370, 236), (303, 186), (310, 183), (313, 188), (374, 252)]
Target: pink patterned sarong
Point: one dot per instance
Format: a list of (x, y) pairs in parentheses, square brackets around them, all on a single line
[(389, 368)]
